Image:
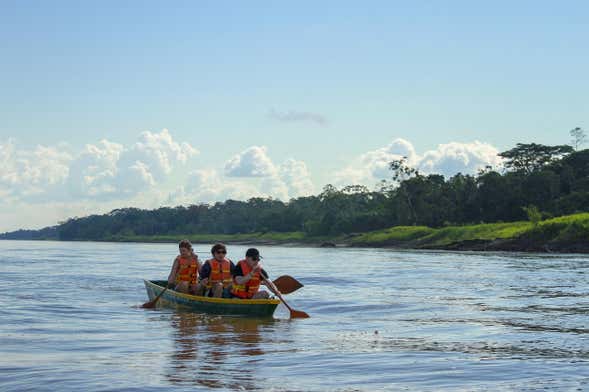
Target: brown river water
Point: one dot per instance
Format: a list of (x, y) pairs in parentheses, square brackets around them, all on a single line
[(381, 320)]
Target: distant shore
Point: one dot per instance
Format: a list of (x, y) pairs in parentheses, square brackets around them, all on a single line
[(566, 234)]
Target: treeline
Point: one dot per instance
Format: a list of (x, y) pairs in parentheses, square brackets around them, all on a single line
[(538, 181)]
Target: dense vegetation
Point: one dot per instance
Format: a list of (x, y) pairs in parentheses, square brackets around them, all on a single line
[(538, 182)]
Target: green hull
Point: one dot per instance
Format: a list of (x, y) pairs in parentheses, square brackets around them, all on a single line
[(234, 307)]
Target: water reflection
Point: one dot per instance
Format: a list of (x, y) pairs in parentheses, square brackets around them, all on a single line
[(216, 351)]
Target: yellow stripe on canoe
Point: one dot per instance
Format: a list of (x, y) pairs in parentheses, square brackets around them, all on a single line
[(235, 301)]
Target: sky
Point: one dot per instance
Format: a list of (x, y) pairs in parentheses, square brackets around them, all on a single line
[(145, 104)]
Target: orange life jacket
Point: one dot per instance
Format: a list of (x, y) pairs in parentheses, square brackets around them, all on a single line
[(220, 272), (251, 287), (187, 269)]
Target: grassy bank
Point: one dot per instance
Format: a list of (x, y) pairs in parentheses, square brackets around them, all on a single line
[(420, 236), (566, 233)]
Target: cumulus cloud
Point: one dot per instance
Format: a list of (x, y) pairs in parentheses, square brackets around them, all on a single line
[(102, 171), (296, 178), (208, 186), (93, 171), (298, 117), (287, 180), (110, 170), (156, 153), (250, 173), (26, 173), (448, 159), (451, 158), (252, 162), (373, 165)]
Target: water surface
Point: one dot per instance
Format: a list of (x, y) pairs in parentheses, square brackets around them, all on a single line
[(380, 320)]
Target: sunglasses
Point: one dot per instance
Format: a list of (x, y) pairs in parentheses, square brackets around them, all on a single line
[(255, 258), (224, 252)]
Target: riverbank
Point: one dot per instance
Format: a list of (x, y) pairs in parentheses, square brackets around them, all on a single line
[(563, 234)]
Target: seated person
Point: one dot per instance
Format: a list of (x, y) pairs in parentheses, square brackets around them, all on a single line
[(248, 275), (216, 274), (184, 273)]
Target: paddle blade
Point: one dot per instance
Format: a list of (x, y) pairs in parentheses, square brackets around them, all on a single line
[(298, 314), (150, 304), (287, 284)]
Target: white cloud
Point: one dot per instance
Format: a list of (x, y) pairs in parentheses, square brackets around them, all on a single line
[(296, 177), (208, 186), (373, 166), (93, 172), (26, 173), (448, 159), (111, 171), (104, 171), (158, 152), (251, 173), (252, 162), (288, 180), (451, 158)]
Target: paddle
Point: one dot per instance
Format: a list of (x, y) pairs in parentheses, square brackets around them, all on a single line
[(287, 284), (293, 313), (151, 304)]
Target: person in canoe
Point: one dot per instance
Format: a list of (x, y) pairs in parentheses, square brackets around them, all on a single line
[(184, 274), (248, 275), (217, 274)]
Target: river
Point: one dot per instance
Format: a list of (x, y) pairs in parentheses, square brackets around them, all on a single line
[(381, 320)]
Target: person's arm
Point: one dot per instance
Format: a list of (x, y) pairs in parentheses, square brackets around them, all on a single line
[(173, 272), (265, 280), (198, 263), (238, 275), (268, 283), (241, 279), (205, 272)]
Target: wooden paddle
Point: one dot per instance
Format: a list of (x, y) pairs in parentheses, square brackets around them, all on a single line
[(151, 304), (287, 284), (293, 313)]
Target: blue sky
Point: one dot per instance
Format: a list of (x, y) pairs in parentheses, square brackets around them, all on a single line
[(263, 92)]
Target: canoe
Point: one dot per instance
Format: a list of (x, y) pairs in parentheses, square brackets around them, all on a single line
[(200, 304)]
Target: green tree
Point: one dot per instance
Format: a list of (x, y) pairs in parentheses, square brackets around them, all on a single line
[(533, 213), (578, 137), (528, 158)]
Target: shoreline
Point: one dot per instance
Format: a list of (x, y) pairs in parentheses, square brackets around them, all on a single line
[(565, 234), (498, 245)]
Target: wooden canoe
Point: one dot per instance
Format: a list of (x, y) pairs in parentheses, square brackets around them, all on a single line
[(200, 304)]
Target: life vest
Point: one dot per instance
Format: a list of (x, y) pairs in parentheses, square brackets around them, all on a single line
[(187, 269), (220, 272), (251, 287)]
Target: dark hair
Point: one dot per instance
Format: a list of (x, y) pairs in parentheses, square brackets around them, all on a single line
[(185, 244), (217, 247), (252, 252)]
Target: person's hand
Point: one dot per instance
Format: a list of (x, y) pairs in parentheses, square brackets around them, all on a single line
[(204, 281)]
